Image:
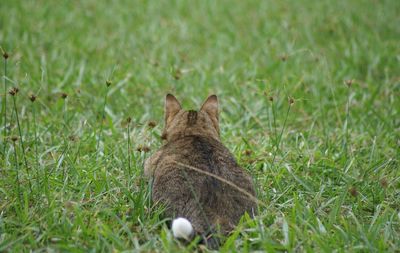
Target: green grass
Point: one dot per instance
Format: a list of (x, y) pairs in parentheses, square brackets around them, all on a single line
[(326, 167)]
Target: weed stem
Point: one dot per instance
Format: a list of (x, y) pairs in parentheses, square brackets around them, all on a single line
[(5, 110), (36, 146), (22, 142), (129, 150), (17, 174), (101, 120)]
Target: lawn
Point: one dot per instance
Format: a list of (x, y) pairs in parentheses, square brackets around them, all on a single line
[(309, 95)]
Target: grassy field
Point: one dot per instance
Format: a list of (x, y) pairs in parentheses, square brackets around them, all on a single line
[(309, 94)]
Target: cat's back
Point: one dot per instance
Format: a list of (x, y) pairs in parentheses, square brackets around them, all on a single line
[(202, 153), (202, 169)]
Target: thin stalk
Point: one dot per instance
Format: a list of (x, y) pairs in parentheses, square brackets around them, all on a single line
[(46, 186), (223, 180), (268, 111), (64, 172), (36, 144), (22, 142), (5, 108), (197, 199), (65, 113), (345, 126), (284, 125), (17, 175), (323, 121), (101, 121), (280, 135), (274, 122), (129, 152)]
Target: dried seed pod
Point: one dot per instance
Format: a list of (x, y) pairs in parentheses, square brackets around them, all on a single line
[(247, 152), (13, 91), (152, 124), (32, 97), (384, 183), (353, 191), (72, 137), (143, 149), (349, 82), (177, 74)]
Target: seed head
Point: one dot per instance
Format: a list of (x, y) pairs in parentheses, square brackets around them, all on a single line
[(271, 99), (177, 74), (5, 55), (14, 138), (152, 124), (349, 82), (284, 57), (64, 95), (129, 120), (108, 83), (13, 91), (353, 191), (69, 204), (32, 97), (143, 149), (72, 137), (247, 152), (291, 101), (384, 183)]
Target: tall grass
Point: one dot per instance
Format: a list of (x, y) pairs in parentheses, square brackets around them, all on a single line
[(13, 92), (103, 111), (4, 105), (325, 166)]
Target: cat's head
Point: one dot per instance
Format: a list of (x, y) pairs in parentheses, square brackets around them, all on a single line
[(179, 123)]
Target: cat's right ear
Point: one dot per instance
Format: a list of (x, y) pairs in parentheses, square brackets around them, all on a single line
[(172, 107)]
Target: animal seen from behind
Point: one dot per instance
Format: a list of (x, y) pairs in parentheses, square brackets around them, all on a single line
[(195, 176)]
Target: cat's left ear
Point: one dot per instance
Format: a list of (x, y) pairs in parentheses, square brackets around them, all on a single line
[(210, 106), (172, 107)]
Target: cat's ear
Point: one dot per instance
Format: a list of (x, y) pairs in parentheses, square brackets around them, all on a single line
[(210, 106), (172, 107)]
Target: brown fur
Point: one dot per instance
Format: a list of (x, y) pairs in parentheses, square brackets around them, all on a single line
[(192, 139)]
